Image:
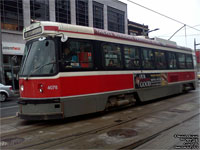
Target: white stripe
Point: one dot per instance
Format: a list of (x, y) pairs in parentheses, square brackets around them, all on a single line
[(93, 73), (83, 95), (8, 107)]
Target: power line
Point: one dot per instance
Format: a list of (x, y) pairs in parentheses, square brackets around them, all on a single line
[(180, 35), (162, 14), (196, 25)]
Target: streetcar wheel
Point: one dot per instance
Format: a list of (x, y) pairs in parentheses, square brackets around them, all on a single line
[(3, 97)]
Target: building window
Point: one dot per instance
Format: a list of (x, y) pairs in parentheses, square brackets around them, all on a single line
[(39, 10), (98, 21), (12, 15), (116, 20), (63, 11), (82, 12)]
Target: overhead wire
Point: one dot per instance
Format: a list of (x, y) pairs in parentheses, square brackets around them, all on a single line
[(180, 35), (162, 14)]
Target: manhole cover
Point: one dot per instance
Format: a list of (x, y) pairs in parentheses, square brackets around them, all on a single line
[(123, 133), (11, 141)]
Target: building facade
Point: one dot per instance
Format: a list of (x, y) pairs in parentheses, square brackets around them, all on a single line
[(16, 14), (137, 29)]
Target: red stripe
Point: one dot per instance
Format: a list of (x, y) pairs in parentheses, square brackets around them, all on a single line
[(83, 85), (180, 76), (51, 28), (95, 84), (76, 32), (78, 85)]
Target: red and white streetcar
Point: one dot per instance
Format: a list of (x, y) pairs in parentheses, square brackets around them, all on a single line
[(70, 70)]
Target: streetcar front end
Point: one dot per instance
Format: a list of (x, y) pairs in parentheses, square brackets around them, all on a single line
[(38, 78)]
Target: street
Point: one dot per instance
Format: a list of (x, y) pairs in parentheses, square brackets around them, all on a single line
[(167, 123), (9, 107)]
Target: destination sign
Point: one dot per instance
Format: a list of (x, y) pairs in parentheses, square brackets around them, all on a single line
[(33, 32)]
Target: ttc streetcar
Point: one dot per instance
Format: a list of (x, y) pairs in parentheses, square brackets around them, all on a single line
[(69, 70)]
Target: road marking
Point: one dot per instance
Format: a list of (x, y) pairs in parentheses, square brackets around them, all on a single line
[(4, 118), (9, 107)]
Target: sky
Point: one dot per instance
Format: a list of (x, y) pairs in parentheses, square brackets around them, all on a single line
[(185, 11)]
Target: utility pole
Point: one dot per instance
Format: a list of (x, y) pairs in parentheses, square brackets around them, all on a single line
[(195, 44), (2, 79), (198, 64)]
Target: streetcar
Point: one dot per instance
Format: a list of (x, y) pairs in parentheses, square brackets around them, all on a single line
[(70, 70)]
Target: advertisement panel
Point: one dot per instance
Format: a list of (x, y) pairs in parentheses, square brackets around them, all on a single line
[(150, 80), (9, 48)]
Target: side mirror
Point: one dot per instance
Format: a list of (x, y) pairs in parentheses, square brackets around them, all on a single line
[(64, 38)]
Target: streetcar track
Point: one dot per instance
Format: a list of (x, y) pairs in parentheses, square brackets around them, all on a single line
[(147, 139), (140, 142), (94, 131), (50, 125), (80, 134)]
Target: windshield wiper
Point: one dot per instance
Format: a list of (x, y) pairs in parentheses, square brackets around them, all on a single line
[(38, 68)]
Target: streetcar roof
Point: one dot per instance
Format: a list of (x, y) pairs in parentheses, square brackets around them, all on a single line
[(54, 28)]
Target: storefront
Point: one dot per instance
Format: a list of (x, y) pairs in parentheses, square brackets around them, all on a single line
[(12, 56)]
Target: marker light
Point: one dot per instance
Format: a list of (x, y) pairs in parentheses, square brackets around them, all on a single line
[(22, 88), (40, 87)]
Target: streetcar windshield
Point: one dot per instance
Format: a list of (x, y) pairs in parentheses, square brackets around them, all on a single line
[(40, 58)]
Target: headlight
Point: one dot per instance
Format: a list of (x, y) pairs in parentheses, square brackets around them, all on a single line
[(22, 88)]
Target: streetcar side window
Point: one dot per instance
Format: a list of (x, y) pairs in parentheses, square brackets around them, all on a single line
[(77, 54), (147, 58), (160, 60), (131, 57), (172, 63), (112, 56), (189, 62), (181, 61)]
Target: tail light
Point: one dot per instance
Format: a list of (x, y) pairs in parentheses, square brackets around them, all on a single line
[(11, 88)]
